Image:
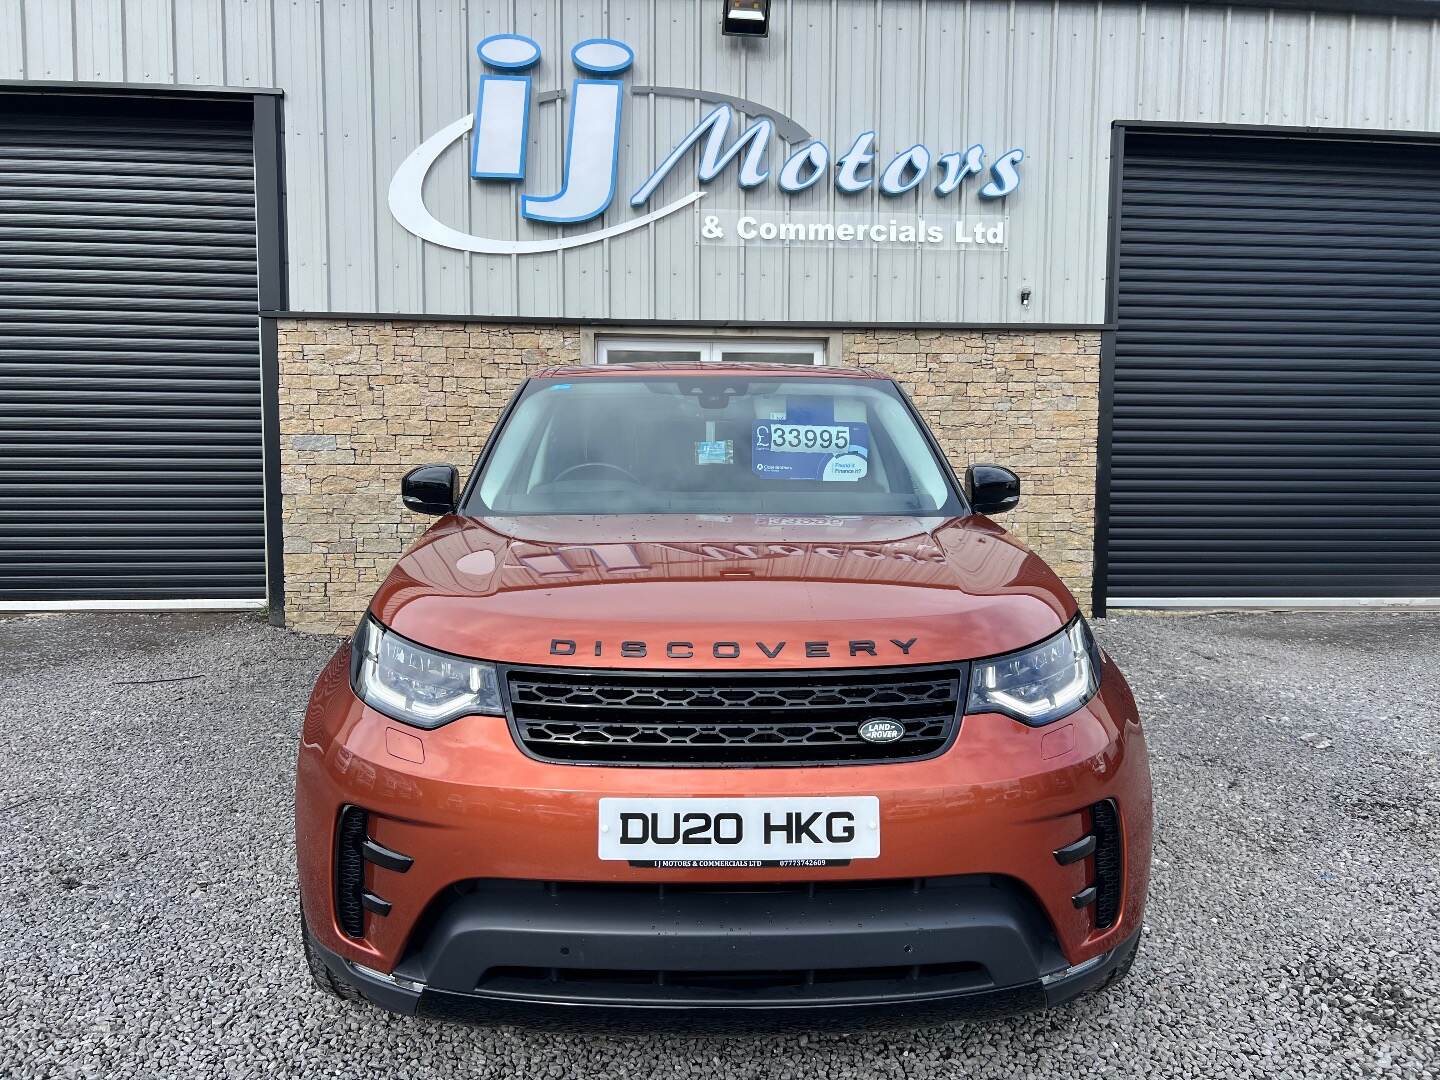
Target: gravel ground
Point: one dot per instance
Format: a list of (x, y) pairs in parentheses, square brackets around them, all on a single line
[(147, 902)]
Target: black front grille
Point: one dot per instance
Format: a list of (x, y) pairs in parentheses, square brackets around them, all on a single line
[(732, 718)]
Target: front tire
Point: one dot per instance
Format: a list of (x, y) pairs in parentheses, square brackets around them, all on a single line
[(321, 975), (1124, 969)]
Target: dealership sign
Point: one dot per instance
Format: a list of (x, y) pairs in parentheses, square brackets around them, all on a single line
[(798, 229), (499, 131)]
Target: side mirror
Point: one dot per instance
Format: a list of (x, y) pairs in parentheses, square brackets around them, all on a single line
[(991, 489), (430, 489)]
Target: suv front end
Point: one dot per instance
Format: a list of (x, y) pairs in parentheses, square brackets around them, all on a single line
[(721, 770)]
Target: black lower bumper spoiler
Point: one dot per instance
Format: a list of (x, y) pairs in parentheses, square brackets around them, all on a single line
[(978, 947)]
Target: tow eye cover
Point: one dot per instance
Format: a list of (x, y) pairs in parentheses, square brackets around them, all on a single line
[(881, 730)]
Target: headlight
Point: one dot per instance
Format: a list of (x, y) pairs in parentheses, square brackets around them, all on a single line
[(1041, 683), (418, 685)]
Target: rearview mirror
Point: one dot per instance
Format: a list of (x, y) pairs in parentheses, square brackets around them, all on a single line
[(430, 489), (991, 489)]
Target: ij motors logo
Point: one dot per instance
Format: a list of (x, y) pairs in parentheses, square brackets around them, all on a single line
[(501, 140)]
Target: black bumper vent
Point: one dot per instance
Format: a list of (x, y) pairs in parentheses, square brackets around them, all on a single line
[(777, 983), (1109, 863), (350, 871), (733, 718)]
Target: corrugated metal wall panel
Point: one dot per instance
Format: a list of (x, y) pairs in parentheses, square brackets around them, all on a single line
[(767, 269), (49, 35), (722, 269), (1328, 70), (350, 156), (630, 281), (583, 269), (1033, 109), (534, 284), (1074, 182), (675, 60), (200, 43), (445, 284), (130, 453), (12, 39), (249, 41), (299, 55), (1414, 97), (364, 79), (149, 42), (100, 41), (399, 255), (1277, 378)]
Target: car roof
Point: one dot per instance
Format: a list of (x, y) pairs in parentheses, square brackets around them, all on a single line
[(717, 369)]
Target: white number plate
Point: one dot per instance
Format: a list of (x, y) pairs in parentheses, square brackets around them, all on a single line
[(745, 831), (815, 438)]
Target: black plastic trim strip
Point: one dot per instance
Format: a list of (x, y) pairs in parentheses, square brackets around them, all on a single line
[(373, 904), (269, 139), (384, 857), (1105, 427), (120, 89), (1073, 853), (1085, 897), (268, 135)]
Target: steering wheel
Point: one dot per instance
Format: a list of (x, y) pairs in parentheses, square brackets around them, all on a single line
[(598, 465)]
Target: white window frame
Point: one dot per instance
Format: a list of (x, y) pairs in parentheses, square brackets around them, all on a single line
[(710, 347)]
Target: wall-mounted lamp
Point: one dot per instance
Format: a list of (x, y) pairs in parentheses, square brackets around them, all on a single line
[(1024, 295), (745, 18)]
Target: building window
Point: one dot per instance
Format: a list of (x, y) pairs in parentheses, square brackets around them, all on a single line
[(718, 350)]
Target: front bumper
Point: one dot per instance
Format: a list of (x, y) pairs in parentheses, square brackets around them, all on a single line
[(733, 972), (474, 815)]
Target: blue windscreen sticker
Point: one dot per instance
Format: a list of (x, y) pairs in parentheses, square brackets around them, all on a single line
[(715, 452)]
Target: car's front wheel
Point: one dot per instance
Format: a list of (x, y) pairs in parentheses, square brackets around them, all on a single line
[(322, 976), (1123, 968)]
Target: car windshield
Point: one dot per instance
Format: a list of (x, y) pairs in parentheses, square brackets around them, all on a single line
[(712, 444)]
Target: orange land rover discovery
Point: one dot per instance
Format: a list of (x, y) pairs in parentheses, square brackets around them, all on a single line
[(714, 699)]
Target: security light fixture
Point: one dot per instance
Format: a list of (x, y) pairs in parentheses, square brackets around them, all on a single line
[(746, 18)]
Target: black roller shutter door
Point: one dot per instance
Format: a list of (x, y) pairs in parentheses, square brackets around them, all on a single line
[(1276, 420), (130, 442)]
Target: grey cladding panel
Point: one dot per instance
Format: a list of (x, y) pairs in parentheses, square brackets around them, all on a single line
[(366, 80), (1277, 370), (130, 461)]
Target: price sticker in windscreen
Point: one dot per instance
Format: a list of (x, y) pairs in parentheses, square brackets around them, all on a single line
[(782, 450), (809, 438)]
